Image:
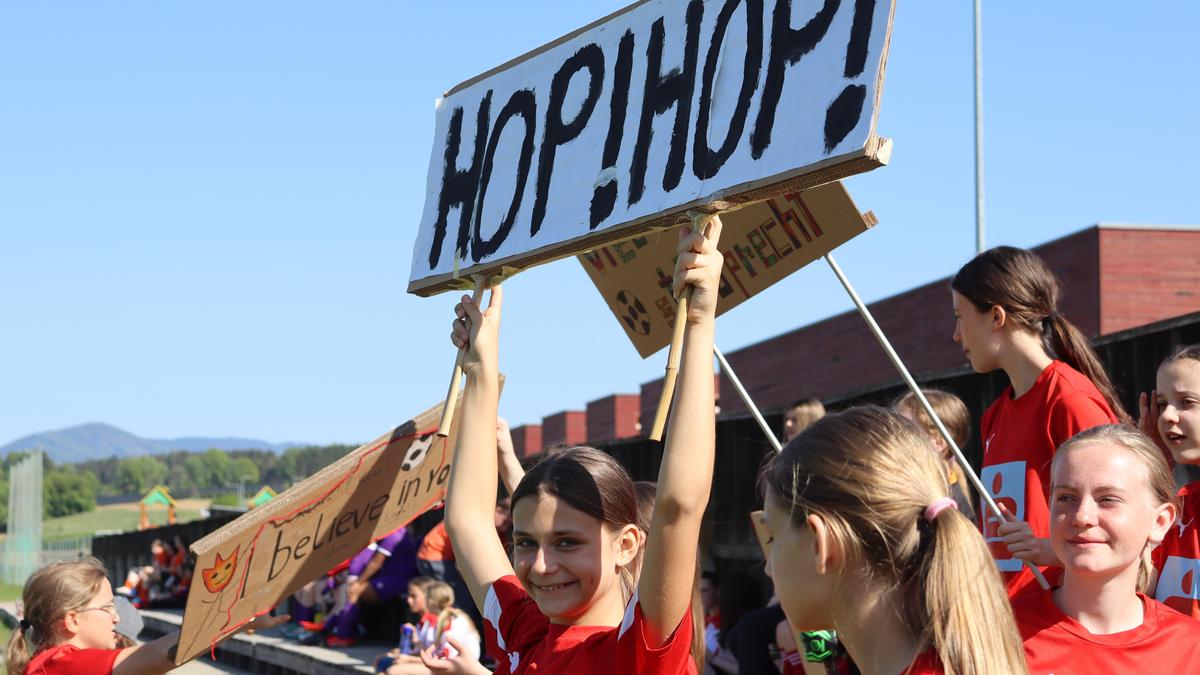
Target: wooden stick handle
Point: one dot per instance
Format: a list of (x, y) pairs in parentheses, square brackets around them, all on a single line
[(675, 354), (456, 377)]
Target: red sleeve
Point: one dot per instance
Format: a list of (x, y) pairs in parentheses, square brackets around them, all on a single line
[(635, 655), (68, 660), (512, 621), (1076, 412)]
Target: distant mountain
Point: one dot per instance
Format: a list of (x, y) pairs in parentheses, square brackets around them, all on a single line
[(98, 441)]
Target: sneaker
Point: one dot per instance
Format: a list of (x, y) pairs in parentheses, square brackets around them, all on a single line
[(309, 638), (335, 641), (291, 630)]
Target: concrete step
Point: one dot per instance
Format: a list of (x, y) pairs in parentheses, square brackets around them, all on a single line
[(269, 653)]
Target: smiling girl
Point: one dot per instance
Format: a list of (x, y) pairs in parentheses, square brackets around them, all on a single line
[(69, 627), (1006, 318), (864, 538), (567, 603), (1112, 499), (1171, 415)]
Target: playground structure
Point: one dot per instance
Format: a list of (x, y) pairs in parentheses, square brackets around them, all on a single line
[(264, 495), (157, 495)]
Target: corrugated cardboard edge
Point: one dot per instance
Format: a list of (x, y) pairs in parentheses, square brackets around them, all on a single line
[(286, 501), (876, 153)]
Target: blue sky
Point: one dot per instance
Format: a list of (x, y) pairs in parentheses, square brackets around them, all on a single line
[(207, 210)]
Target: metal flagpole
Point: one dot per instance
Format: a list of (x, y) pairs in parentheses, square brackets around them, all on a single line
[(916, 390), (978, 128), (737, 384)]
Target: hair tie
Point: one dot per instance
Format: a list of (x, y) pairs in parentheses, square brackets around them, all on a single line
[(937, 507), (25, 625)]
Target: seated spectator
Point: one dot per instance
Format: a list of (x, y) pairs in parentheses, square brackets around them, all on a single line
[(378, 573), (451, 623)]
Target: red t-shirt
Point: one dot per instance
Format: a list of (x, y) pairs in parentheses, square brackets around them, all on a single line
[(1020, 437), (1178, 558), (524, 642), (1166, 642), (926, 663), (436, 544), (66, 659)]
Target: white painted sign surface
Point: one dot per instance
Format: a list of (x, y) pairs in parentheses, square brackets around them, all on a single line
[(664, 105)]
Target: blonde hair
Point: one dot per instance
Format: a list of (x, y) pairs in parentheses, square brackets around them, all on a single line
[(949, 408), (1158, 475), (808, 410), (49, 594), (439, 597), (871, 474)]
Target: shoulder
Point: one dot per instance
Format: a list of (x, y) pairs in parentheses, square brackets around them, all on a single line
[(1035, 611), (1173, 622), (511, 619), (70, 659), (637, 655)]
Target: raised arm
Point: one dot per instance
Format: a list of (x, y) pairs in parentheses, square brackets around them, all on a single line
[(511, 471), (471, 494), (685, 477)]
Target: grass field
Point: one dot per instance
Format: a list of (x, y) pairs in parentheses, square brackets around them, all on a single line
[(117, 517)]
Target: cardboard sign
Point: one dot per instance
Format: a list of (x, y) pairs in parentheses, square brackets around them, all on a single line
[(762, 244), (252, 563), (622, 126)]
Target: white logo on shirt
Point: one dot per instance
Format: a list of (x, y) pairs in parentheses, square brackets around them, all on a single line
[(1006, 483), (987, 445), (1178, 579), (1183, 526), (513, 659)]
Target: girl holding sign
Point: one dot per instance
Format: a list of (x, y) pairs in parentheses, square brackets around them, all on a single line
[(1006, 317), (1112, 499), (568, 603), (69, 627), (864, 537)]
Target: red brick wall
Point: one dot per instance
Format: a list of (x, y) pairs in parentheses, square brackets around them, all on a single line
[(568, 427), (1147, 276), (527, 440), (839, 355), (651, 390), (613, 417)]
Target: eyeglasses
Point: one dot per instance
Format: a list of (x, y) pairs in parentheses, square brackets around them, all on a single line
[(111, 608)]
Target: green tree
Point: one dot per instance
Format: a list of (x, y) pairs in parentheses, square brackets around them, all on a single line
[(66, 491), (211, 470), (139, 474), (245, 468)]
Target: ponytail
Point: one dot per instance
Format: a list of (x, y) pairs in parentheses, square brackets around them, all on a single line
[(1021, 283), (970, 620), (877, 482), (17, 655), (1069, 344)]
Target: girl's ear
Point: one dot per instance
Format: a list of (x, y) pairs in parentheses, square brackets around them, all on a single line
[(627, 544), (1163, 520), (999, 317), (827, 550), (71, 621)]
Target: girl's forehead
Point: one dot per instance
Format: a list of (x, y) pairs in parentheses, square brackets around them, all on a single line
[(547, 513), (1181, 371), (1094, 464)]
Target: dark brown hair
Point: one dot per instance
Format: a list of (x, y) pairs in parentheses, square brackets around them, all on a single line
[(1020, 282), (587, 479)]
